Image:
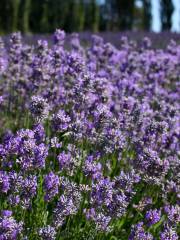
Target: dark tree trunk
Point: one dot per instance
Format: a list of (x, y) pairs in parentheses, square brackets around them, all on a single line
[(167, 9)]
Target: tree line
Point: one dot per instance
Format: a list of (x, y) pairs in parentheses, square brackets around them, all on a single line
[(44, 16)]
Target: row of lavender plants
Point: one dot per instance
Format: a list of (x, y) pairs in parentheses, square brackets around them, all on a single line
[(158, 40), (89, 140)]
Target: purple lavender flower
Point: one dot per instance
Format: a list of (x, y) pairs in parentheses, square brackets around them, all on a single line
[(29, 186), (39, 132), (64, 160), (1, 99), (4, 182), (59, 37), (93, 168), (9, 228), (144, 203), (51, 185), (47, 233), (146, 43), (6, 213), (61, 121), (168, 234), (30, 154), (102, 222), (55, 143), (173, 213), (138, 233), (75, 64), (3, 57), (68, 203), (39, 108), (111, 123), (153, 216), (14, 200)]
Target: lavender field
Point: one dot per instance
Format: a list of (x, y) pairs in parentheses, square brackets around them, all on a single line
[(158, 40), (89, 138)]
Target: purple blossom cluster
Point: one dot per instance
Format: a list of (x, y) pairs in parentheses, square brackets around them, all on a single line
[(9, 228), (89, 147)]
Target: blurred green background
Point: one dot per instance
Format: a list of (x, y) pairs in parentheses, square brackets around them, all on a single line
[(44, 16)]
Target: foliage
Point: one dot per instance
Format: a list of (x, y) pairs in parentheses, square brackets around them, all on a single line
[(43, 16)]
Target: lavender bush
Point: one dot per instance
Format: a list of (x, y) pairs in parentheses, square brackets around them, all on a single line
[(89, 140)]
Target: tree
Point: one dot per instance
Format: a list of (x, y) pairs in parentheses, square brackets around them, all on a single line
[(125, 14), (75, 17), (92, 15), (24, 15), (58, 14), (138, 22), (9, 13), (109, 15), (44, 23), (15, 9), (36, 15), (167, 9), (147, 17), (81, 18), (120, 14), (5, 20)]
